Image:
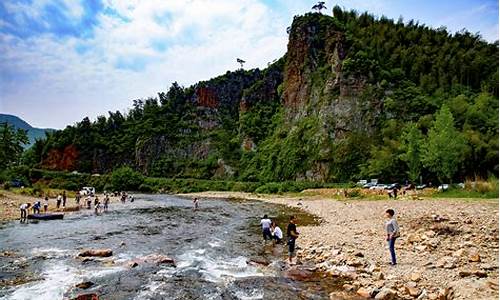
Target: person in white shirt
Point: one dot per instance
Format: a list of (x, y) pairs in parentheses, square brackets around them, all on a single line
[(24, 210), (59, 199), (277, 233), (266, 228)]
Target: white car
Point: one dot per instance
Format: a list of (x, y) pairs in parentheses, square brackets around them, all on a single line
[(379, 187), (443, 187), (87, 190)]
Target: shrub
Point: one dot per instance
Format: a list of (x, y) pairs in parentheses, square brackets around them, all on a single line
[(6, 186), (125, 178), (146, 188), (269, 188), (354, 193)]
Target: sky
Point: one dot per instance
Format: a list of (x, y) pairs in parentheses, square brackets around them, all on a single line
[(63, 60)]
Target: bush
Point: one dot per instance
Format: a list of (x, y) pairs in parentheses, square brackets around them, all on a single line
[(146, 188), (354, 193), (269, 188), (125, 178)]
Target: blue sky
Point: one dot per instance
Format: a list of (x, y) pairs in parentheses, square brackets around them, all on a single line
[(66, 59)]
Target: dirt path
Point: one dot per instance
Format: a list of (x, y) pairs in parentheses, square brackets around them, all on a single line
[(448, 248)]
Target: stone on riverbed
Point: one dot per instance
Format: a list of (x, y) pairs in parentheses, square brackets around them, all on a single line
[(258, 261), (386, 294), (96, 252), (299, 274), (91, 296), (157, 259), (84, 285)]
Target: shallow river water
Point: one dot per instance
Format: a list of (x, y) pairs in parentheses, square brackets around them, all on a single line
[(211, 248)]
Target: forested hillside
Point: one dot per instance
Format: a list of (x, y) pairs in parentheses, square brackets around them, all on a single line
[(32, 132), (354, 97)]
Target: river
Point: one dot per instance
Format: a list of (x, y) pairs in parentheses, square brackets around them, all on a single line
[(211, 248)]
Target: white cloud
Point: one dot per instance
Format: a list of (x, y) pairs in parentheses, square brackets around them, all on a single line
[(58, 85), (75, 84)]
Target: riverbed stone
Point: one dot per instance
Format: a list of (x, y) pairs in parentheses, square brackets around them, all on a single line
[(363, 292), (84, 285), (386, 294), (96, 252)]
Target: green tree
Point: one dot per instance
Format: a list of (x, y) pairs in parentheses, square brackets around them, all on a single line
[(125, 178), (11, 145), (411, 147), (444, 150), (319, 6)]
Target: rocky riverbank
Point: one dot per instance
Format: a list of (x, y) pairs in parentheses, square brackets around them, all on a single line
[(448, 248)]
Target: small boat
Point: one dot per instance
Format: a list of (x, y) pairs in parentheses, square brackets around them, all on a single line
[(46, 216)]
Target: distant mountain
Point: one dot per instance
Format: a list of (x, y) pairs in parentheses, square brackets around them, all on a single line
[(33, 133)]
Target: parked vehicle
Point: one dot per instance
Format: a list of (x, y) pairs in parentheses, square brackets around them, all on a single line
[(421, 187), (369, 185), (362, 182), (17, 183), (393, 186), (379, 187), (87, 190), (443, 187)]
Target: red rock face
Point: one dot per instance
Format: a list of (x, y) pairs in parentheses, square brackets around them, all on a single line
[(206, 97), (61, 160)]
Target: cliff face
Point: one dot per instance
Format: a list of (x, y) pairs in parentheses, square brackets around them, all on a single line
[(215, 108), (317, 88), (315, 84)]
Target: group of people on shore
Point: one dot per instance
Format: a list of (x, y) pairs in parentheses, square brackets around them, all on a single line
[(271, 231), (89, 201)]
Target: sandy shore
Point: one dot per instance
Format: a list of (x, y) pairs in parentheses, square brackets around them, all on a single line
[(448, 248)]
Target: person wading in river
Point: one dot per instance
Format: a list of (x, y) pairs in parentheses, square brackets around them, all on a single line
[(24, 210), (195, 203), (36, 207), (46, 204), (64, 199), (277, 233), (106, 202), (58, 201), (292, 235), (266, 228)]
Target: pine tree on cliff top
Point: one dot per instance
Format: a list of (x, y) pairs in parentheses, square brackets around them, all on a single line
[(319, 6)]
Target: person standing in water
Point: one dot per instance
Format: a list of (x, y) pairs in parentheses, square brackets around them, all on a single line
[(195, 203), (64, 199), (24, 210), (106, 202), (277, 233), (392, 229), (36, 207), (46, 204), (266, 228), (292, 235), (58, 201)]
